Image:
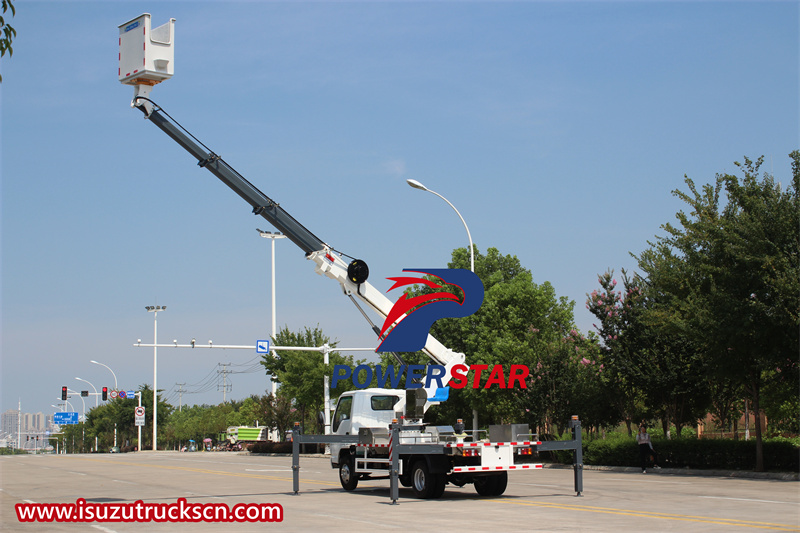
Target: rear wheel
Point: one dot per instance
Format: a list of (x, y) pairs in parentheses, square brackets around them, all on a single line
[(425, 484), (492, 485), (347, 476)]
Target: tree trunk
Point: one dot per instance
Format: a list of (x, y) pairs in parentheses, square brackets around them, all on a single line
[(757, 411)]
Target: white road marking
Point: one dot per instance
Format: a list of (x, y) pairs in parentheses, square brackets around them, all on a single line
[(745, 499)]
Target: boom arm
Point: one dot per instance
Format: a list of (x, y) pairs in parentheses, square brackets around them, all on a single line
[(327, 263)]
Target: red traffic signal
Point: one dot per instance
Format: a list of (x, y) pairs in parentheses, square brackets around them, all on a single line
[(105, 393), (63, 393)]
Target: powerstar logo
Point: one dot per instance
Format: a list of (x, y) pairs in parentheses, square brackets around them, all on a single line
[(411, 318), (408, 324)]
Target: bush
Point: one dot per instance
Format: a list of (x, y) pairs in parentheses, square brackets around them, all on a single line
[(724, 454), (270, 447)]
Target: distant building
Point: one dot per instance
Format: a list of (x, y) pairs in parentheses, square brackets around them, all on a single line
[(28, 424), (9, 422)]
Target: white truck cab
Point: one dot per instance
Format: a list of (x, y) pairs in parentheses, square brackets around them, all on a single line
[(368, 408)]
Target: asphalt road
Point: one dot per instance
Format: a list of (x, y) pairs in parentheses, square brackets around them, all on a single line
[(540, 500)]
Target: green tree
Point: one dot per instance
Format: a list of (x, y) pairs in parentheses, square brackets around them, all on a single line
[(301, 373), (569, 379), (280, 414), (655, 362), (737, 261), (8, 33), (119, 413), (517, 320)]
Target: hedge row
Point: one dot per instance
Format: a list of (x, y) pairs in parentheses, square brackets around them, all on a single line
[(719, 454), (270, 447)]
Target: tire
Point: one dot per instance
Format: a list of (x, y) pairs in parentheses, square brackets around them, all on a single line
[(492, 485), (425, 484), (347, 476), (440, 480)]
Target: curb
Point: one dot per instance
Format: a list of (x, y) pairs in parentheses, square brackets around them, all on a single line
[(740, 474)]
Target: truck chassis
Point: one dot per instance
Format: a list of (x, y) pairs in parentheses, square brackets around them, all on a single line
[(427, 467)]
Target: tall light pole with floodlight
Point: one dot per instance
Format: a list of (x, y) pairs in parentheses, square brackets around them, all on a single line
[(155, 309), (272, 236)]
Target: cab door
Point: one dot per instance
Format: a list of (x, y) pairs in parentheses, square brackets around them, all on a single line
[(342, 424)]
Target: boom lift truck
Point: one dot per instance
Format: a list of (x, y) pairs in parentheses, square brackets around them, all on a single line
[(368, 440)]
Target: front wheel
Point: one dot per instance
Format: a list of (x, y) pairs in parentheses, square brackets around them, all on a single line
[(347, 476)]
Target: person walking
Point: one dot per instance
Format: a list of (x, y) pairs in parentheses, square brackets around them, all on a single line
[(646, 449)]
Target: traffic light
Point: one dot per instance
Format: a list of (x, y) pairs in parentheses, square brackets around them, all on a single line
[(105, 393), (63, 393)]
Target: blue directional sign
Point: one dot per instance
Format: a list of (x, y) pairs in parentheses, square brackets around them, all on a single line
[(65, 418), (262, 346)]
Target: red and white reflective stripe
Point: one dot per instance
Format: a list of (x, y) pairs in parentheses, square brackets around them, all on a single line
[(373, 445), (457, 469), (465, 444)]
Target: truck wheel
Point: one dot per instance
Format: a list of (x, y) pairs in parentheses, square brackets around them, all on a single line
[(347, 475), (425, 484), (492, 485)]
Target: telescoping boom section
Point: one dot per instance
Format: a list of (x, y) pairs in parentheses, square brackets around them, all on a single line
[(146, 59)]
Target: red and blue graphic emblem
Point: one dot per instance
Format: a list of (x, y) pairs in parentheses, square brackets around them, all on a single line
[(411, 318)]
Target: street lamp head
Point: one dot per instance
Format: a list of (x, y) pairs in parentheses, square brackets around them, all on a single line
[(270, 235), (416, 185)]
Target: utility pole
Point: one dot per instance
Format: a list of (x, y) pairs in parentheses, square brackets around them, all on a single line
[(181, 390), (19, 421), (226, 387)]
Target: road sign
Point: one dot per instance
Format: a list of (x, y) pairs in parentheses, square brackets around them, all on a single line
[(65, 418), (131, 393), (262, 346), (139, 415), (122, 394), (113, 394)]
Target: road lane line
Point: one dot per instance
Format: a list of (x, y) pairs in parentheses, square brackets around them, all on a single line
[(662, 516), (205, 471), (746, 500)]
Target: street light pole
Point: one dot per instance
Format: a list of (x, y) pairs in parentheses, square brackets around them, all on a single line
[(95, 389), (417, 185), (95, 405), (155, 309), (116, 387), (272, 236)]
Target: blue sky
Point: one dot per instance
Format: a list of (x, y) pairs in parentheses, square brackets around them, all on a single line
[(558, 130)]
